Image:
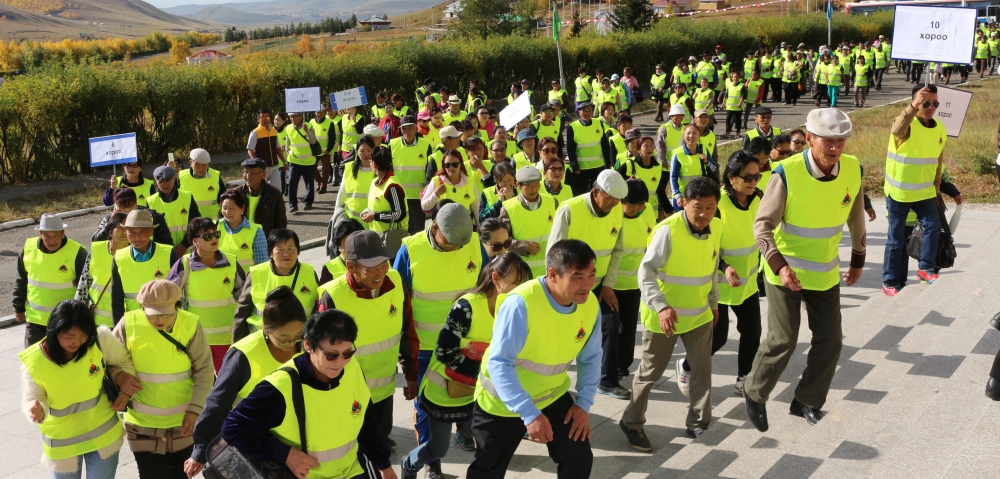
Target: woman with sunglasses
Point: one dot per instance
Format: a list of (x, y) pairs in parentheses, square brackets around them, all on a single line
[(248, 362), (493, 197), (446, 393), (485, 122), (284, 269), (144, 187), (94, 287), (798, 141), (554, 171), (495, 235), (386, 197), (451, 182), (210, 281), (340, 426), (243, 241)]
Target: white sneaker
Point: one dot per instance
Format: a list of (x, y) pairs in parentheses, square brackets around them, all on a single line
[(682, 378), (739, 385)]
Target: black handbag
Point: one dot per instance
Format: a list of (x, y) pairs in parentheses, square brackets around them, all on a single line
[(314, 148), (227, 462), (946, 252)]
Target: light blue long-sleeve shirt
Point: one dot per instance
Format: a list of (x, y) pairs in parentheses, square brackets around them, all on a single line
[(510, 330)]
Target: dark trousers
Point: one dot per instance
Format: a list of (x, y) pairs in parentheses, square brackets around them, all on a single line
[(306, 174), (584, 181), (628, 317), (775, 88), (498, 439), (748, 324), (162, 466), (748, 110), (895, 246), (732, 121), (415, 214), (791, 93), (33, 333), (916, 72), (822, 93), (323, 178), (995, 371), (878, 78), (609, 343), (383, 409)]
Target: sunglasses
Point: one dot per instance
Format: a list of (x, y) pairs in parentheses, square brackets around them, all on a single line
[(927, 104), (784, 152), (764, 117), (550, 150), (335, 356), (501, 246), (555, 168), (451, 165), (798, 142), (210, 236), (751, 178)]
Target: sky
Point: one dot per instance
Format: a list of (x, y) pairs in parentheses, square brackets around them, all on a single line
[(174, 3)]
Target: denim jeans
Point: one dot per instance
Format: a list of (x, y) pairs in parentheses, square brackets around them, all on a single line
[(307, 174), (421, 421), (893, 273), (436, 447), (97, 468)]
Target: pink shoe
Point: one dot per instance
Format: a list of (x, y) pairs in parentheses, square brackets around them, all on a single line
[(889, 291), (927, 276)]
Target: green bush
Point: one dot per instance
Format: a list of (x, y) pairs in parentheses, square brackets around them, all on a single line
[(46, 117)]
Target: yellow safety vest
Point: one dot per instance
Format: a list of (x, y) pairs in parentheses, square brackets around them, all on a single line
[(380, 325), (141, 191), (658, 81), (532, 225), (753, 89), (601, 233), (434, 387), (880, 59), (765, 67), (691, 167), (587, 141), (616, 139), (463, 195), (686, 78), (682, 101), (449, 117), (210, 298), (749, 65), (813, 223), (910, 169), (702, 100), (583, 88), (333, 421), (51, 278), (204, 190), (175, 213), (671, 140), (377, 203), (336, 267), (134, 274), (100, 275), (162, 368), (299, 151), (649, 176), (754, 133), (637, 231), (261, 362), (238, 246), (554, 341), (834, 73), (543, 131), (982, 50), (409, 165), (557, 95), (791, 72), (734, 92), (263, 281), (355, 191), (80, 419), (349, 135), (430, 297), (686, 278), (739, 249), (322, 131)]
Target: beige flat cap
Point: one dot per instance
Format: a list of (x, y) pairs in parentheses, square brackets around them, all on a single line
[(159, 296), (828, 123)]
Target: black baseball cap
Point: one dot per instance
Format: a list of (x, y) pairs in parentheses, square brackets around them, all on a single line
[(366, 248)]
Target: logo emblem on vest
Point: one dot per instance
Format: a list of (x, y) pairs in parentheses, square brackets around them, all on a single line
[(63, 268), (847, 199), (211, 188), (356, 409), (392, 309), (244, 245), (184, 211), (142, 196), (471, 267), (304, 289), (158, 273), (654, 179), (580, 334), (649, 229), (93, 370), (614, 231), (226, 280), (467, 195), (420, 155), (550, 217), (715, 252)]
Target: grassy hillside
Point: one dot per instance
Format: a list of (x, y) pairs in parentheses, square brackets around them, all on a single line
[(120, 18)]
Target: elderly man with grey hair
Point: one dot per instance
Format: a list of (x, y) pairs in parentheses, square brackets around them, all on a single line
[(798, 229)]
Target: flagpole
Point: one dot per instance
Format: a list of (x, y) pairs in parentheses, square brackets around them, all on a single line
[(829, 23), (556, 30)]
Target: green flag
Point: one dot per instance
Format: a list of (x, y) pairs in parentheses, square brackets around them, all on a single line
[(555, 24)]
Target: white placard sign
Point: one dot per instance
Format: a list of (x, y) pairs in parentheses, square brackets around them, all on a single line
[(348, 98), (515, 112), (953, 105), (301, 100), (113, 150), (934, 34)]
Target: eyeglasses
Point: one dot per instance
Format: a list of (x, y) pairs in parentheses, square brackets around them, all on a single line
[(927, 104), (501, 246), (131, 165), (500, 150), (252, 172), (798, 142), (550, 150), (451, 165), (764, 117), (751, 178), (282, 344), (555, 168), (210, 236), (335, 356), (784, 152)]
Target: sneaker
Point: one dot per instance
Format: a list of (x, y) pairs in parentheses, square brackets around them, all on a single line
[(293, 210), (434, 471), (464, 437), (695, 433), (408, 475), (636, 438), (928, 277), (682, 377), (890, 291), (739, 384), (616, 392), (307, 207)]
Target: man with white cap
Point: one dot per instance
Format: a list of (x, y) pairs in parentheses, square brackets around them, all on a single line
[(531, 215), (597, 219), (451, 139), (668, 137), (177, 207), (204, 183), (410, 155), (142, 261), (798, 228), (301, 161), (48, 270), (454, 111)]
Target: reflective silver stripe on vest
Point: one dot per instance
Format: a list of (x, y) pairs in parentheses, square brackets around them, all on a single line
[(219, 330), (379, 346), (690, 311), (102, 313), (488, 386), (813, 233), (627, 251), (535, 262), (47, 285), (131, 295), (689, 178), (163, 378), (813, 265), (77, 407), (628, 273), (602, 252), (908, 186), (739, 251), (357, 195), (333, 454), (409, 168), (108, 425), (174, 229), (206, 203), (38, 307), (683, 280), (906, 160), (433, 327), (543, 369), (537, 239), (412, 185), (158, 411), (436, 378), (211, 303), (588, 145), (442, 296), (379, 382), (722, 277)]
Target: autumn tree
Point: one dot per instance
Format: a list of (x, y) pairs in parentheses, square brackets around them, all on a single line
[(179, 51)]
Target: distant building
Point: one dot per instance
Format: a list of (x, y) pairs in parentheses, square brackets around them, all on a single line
[(666, 7), (452, 10), (207, 56), (376, 23)]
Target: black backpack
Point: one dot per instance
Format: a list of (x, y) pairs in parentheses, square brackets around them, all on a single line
[(946, 252)]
